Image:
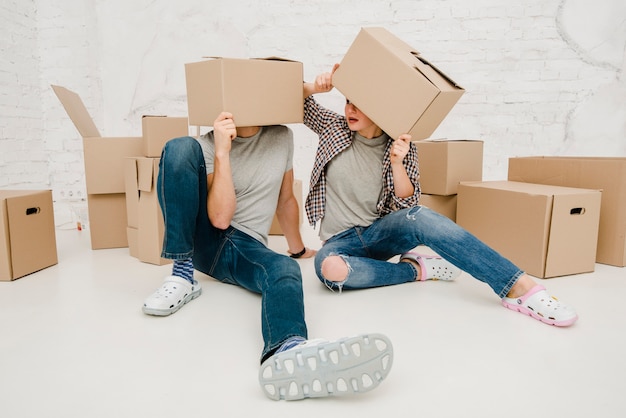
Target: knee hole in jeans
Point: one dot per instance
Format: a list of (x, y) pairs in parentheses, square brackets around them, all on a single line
[(334, 268)]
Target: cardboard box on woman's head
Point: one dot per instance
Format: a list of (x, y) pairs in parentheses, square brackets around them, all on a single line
[(394, 85)]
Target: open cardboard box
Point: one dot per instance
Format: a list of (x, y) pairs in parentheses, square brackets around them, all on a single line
[(104, 173), (27, 235), (258, 92), (394, 85), (545, 230)]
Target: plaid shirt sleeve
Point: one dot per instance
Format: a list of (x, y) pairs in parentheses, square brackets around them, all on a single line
[(334, 137), (389, 202)]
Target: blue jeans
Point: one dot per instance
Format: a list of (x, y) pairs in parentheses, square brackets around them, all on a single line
[(229, 255), (367, 249)]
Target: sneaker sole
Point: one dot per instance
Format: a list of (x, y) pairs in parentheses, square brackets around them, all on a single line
[(169, 311), (347, 366)]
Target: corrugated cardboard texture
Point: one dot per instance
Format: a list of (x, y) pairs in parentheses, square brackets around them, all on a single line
[(28, 241), (258, 92), (547, 231), (605, 173), (394, 85)]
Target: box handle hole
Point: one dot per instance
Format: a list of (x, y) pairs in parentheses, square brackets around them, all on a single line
[(577, 211), (32, 211)]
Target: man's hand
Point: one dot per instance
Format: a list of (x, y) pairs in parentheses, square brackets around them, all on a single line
[(224, 131)]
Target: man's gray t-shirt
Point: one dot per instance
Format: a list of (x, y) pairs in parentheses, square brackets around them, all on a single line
[(354, 183), (258, 165)]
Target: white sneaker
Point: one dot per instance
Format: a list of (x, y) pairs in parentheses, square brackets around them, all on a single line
[(171, 296), (317, 368)]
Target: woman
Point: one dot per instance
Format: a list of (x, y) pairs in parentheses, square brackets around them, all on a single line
[(365, 192)]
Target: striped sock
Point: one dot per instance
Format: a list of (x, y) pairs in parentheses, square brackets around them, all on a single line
[(184, 269)]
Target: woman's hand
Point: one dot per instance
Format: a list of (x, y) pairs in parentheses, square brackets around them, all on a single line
[(400, 148)]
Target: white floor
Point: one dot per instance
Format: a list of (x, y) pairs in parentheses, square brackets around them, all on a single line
[(74, 343)]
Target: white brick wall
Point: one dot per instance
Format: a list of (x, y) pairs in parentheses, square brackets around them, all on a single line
[(542, 76)]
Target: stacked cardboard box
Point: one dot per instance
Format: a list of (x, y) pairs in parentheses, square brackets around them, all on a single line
[(546, 230), (105, 169), (145, 224), (443, 165), (27, 235)]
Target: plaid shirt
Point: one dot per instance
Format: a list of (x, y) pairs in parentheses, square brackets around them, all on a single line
[(334, 137)]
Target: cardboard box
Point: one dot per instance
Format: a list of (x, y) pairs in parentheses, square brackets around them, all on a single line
[(605, 173), (104, 172), (27, 235), (444, 205), (444, 164), (258, 92), (546, 230), (157, 130), (394, 85), (275, 229), (144, 217)]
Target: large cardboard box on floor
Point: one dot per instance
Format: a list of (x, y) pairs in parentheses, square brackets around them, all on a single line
[(104, 173), (275, 229), (444, 164), (27, 235), (258, 92), (606, 173), (144, 217), (545, 230), (157, 130), (394, 85)]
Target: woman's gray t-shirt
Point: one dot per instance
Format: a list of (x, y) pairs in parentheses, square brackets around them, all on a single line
[(354, 183), (258, 165)]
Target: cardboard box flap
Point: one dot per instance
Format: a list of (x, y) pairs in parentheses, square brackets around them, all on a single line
[(146, 174), (433, 74), (272, 58), (77, 112)]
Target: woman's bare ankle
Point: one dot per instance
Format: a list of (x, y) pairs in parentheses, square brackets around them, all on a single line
[(521, 286)]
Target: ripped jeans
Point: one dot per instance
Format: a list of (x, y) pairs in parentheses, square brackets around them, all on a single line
[(366, 251)]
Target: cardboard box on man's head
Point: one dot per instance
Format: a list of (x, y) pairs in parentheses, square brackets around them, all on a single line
[(394, 85), (258, 92)]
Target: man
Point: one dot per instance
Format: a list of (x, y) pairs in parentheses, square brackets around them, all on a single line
[(218, 195)]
